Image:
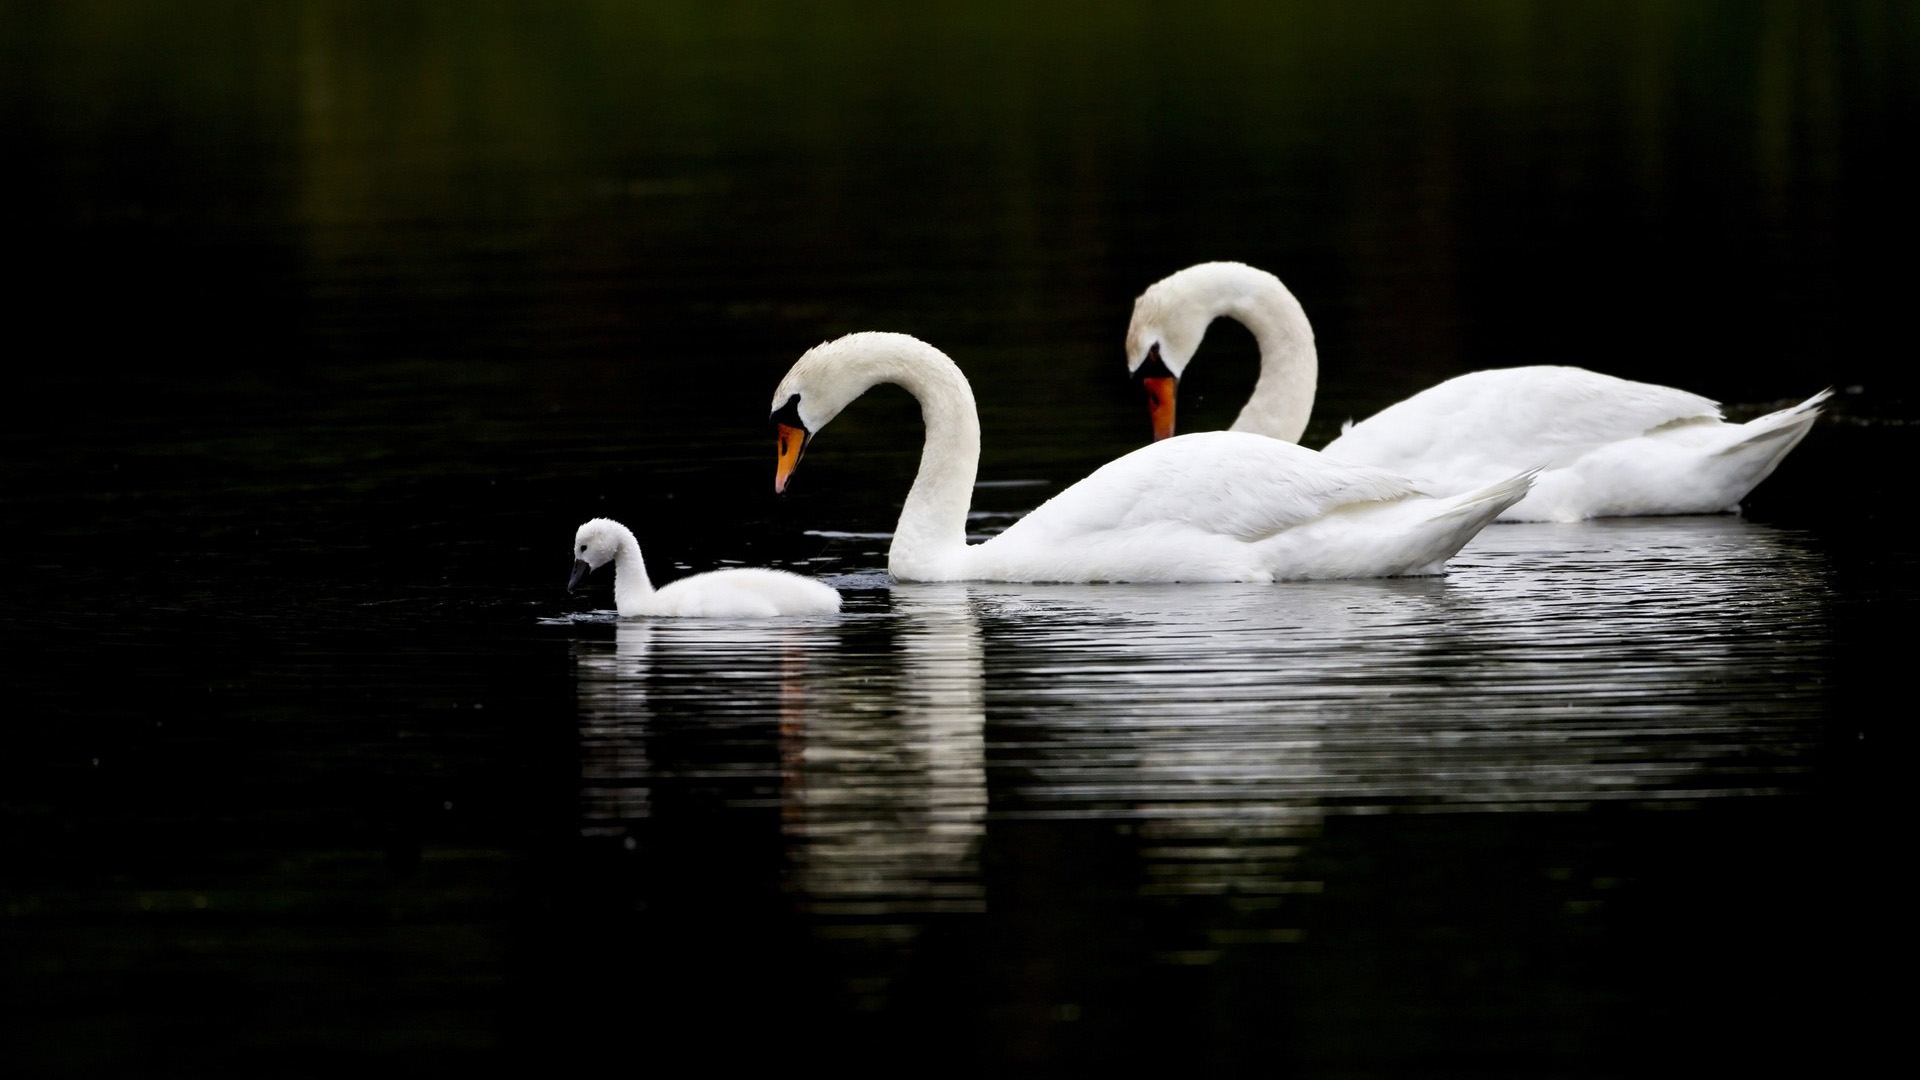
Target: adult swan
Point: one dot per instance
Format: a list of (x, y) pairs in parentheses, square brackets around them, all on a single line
[(1216, 506), (1607, 447)]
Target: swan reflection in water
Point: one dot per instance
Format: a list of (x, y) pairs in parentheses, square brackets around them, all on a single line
[(886, 786), (880, 771), (1556, 667)]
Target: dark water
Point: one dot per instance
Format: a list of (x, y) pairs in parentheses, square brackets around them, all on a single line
[(331, 321)]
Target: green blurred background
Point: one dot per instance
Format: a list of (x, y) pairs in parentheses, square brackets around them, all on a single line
[(1702, 192)]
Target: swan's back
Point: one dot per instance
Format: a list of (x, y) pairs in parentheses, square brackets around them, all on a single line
[(1508, 418), (749, 592), (1231, 484), (1228, 506), (1610, 447)]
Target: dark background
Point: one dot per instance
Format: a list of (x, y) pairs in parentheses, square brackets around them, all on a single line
[(330, 320)]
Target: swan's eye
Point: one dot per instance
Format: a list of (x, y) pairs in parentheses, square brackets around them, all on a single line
[(789, 414), (1153, 367), (583, 547)]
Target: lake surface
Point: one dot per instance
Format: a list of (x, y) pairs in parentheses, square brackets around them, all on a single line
[(334, 320)]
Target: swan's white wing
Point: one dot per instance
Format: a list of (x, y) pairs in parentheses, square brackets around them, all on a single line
[(1218, 483), (1494, 422)]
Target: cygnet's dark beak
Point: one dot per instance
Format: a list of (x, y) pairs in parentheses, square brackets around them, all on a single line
[(580, 572)]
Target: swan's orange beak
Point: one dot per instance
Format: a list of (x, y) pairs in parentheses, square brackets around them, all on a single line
[(1160, 404), (792, 442)]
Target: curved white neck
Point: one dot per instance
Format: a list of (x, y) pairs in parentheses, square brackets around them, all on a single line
[(1282, 397), (930, 542), (631, 586)]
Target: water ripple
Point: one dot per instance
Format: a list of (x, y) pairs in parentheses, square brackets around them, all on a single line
[(1558, 667)]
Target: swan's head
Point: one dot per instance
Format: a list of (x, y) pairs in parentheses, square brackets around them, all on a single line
[(828, 377), (1167, 328), (594, 546), (1170, 320)]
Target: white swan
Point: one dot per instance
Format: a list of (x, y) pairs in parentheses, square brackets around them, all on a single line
[(1606, 447), (1217, 506), (752, 593)]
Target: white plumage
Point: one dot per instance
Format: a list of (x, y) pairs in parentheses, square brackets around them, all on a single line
[(1219, 506), (1605, 447), (744, 592)]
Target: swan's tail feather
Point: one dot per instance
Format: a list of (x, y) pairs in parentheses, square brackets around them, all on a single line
[(1760, 445), (1460, 518), (1785, 427), (1484, 505)]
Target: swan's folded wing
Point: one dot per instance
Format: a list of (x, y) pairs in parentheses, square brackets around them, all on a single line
[(1516, 418), (1220, 483)]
